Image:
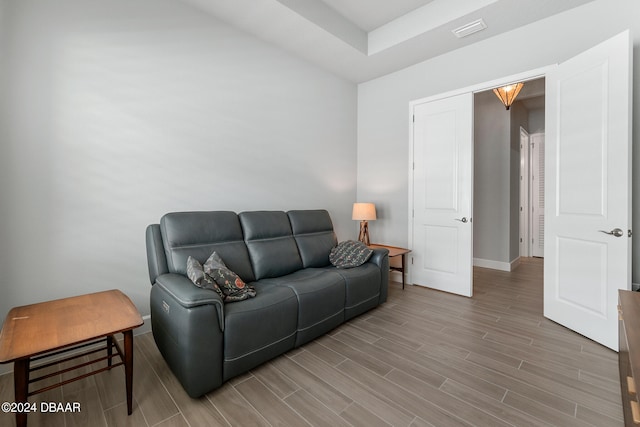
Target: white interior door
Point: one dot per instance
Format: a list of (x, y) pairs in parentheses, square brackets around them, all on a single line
[(537, 195), (443, 194), (588, 189)]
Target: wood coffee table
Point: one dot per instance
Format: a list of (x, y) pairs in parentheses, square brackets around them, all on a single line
[(34, 332)]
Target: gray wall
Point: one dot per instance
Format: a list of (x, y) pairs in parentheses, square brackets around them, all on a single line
[(496, 172), (383, 104), (120, 111), (536, 121), (491, 179)]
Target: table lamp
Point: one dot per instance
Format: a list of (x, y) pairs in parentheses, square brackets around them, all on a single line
[(364, 212)]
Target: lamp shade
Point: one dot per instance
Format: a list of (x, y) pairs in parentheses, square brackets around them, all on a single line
[(507, 94), (364, 211)]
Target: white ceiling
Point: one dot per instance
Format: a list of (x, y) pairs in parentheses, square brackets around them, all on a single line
[(364, 39), (371, 14)]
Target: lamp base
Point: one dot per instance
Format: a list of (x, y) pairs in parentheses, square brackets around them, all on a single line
[(364, 233)]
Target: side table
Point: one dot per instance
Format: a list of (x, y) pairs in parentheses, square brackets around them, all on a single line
[(395, 251), (34, 332)]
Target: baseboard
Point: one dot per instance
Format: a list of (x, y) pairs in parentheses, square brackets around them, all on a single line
[(8, 368), (635, 286), (494, 265), (395, 276), (144, 328)]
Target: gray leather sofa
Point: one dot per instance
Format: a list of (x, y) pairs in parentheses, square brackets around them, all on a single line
[(285, 256)]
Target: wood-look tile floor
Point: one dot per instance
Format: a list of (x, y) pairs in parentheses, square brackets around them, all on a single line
[(424, 358)]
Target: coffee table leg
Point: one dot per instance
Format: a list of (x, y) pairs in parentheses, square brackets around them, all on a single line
[(128, 367), (21, 387)]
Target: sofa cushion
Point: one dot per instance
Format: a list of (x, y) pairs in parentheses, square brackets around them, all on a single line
[(198, 234), (259, 328), (321, 296), (269, 239), (313, 231), (350, 254), (362, 288)]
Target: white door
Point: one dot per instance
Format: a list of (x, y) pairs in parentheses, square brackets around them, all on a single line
[(443, 194), (537, 195), (588, 189)]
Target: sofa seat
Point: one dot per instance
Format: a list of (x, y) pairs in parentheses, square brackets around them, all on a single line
[(260, 328), (362, 288), (321, 296)]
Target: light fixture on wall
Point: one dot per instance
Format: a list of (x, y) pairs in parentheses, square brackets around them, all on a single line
[(507, 94), (364, 212)]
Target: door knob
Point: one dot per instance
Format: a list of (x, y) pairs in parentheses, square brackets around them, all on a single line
[(615, 232), (463, 219)]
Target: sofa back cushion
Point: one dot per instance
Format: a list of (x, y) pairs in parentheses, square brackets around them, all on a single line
[(269, 239), (199, 234), (314, 235)]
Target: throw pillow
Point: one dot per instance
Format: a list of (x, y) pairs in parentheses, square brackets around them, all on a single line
[(350, 254), (196, 273), (231, 285)]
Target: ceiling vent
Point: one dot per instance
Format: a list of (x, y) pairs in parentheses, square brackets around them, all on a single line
[(470, 28)]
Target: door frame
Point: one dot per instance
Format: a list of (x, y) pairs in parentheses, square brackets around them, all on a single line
[(480, 87), (525, 184)]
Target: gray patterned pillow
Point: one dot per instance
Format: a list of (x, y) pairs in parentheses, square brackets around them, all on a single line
[(196, 273), (231, 285), (350, 254)]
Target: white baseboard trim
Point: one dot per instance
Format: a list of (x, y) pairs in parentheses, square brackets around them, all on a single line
[(8, 368), (144, 328), (395, 276), (494, 265), (635, 286)]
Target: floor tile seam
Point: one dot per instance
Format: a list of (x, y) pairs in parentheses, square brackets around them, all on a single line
[(378, 397), (269, 388), (411, 363), (248, 403), (488, 397), (142, 354), (381, 396), (526, 384), (539, 403), (350, 405), (319, 402), (620, 419), (583, 396), (347, 358), (308, 372), (522, 352), (172, 416), (417, 396), (299, 414)]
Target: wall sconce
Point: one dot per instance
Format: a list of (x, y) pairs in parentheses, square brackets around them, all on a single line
[(507, 94), (364, 212)]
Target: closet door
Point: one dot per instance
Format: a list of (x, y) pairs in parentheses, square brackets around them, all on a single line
[(537, 195)]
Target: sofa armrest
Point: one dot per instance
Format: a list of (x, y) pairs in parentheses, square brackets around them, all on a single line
[(185, 293), (380, 258), (183, 321)]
